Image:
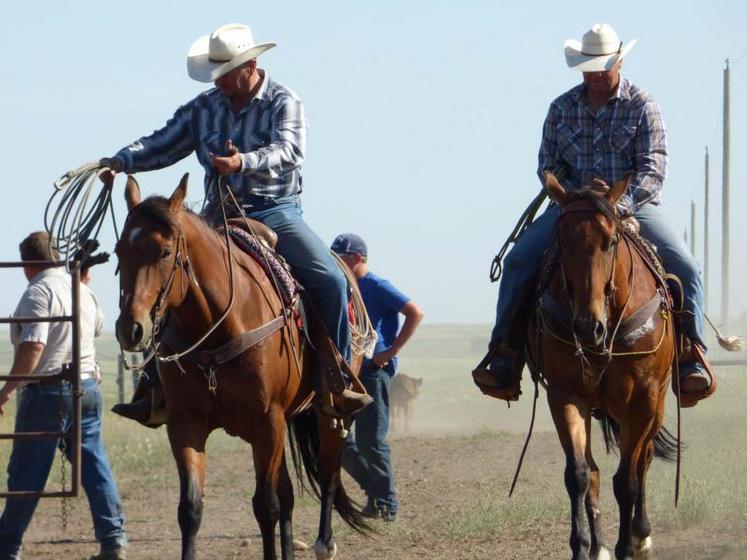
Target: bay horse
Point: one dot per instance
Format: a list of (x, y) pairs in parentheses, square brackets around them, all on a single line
[(602, 340), (173, 264)]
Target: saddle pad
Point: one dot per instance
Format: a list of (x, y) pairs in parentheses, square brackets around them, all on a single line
[(270, 262)]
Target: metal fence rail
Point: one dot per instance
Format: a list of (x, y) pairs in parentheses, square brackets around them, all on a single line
[(73, 377)]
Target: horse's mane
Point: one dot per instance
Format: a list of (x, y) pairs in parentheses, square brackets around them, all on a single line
[(599, 203)]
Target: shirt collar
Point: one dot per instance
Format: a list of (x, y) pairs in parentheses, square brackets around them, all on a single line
[(622, 92), (46, 273), (260, 95), (262, 91)]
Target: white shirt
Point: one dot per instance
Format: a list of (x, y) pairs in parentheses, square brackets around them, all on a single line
[(49, 294)]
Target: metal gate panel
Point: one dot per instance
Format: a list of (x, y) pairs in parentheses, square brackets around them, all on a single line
[(74, 319)]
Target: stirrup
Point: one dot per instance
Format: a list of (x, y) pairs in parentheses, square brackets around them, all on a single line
[(507, 393), (344, 404), (149, 410), (694, 353)]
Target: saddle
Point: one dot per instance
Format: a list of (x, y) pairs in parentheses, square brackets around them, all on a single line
[(258, 241)]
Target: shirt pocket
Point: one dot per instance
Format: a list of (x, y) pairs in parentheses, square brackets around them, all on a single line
[(569, 141), (621, 137)]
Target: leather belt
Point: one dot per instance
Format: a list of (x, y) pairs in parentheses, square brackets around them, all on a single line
[(54, 380)]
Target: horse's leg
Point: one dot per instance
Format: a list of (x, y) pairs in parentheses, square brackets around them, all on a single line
[(268, 448), (285, 496), (597, 550), (641, 524), (635, 437), (187, 438), (641, 528), (330, 459), (569, 415)]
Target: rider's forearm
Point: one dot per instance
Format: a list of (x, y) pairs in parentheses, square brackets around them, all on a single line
[(163, 148)]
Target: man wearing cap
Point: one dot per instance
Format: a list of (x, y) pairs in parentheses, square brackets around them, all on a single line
[(249, 131), (45, 348), (594, 134), (367, 456)]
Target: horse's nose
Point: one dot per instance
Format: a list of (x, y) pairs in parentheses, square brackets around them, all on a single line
[(130, 334), (136, 334), (589, 330)]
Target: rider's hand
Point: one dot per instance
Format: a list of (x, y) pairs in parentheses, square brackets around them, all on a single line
[(230, 164), (600, 184), (114, 164)]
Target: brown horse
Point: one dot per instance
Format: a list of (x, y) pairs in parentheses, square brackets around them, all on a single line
[(603, 341), (173, 265)]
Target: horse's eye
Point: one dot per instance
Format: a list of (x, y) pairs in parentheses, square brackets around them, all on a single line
[(166, 253)]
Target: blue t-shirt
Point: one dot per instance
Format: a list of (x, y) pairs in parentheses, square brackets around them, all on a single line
[(383, 302)]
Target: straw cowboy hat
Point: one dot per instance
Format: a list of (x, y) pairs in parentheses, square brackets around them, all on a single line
[(598, 51), (224, 49)]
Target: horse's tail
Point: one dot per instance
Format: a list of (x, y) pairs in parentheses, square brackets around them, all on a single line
[(303, 436), (665, 443)]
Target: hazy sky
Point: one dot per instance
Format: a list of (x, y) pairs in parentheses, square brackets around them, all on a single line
[(424, 117)]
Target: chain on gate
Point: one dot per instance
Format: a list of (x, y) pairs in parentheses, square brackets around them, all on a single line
[(63, 457)]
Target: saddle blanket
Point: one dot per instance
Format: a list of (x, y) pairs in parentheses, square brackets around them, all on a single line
[(270, 262)]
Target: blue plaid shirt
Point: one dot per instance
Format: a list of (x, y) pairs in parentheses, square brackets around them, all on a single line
[(270, 133), (625, 134)]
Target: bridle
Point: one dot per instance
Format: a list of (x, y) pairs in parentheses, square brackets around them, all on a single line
[(606, 351)]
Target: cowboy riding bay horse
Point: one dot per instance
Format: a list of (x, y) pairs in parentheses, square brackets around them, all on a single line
[(602, 339), (180, 275)]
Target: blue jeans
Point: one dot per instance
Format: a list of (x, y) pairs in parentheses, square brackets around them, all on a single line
[(312, 263), (31, 460), (367, 456), (522, 264)]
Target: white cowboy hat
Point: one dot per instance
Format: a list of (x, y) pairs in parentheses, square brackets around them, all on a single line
[(599, 50), (224, 49)]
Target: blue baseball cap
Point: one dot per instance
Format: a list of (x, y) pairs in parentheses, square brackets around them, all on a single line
[(349, 243)]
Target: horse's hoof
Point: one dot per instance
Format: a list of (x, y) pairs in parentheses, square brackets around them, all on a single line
[(642, 548), (603, 554), (325, 551)]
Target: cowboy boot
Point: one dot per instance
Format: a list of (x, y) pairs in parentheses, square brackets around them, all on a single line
[(696, 379), (347, 394), (341, 392), (148, 405), (499, 373)]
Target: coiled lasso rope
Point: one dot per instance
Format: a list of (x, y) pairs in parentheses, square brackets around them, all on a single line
[(362, 335), (80, 211)]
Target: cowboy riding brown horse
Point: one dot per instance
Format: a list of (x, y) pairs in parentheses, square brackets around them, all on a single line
[(180, 275), (602, 341)]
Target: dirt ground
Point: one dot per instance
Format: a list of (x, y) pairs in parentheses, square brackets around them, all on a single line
[(440, 480)]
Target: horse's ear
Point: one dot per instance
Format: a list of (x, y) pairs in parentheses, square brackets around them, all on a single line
[(619, 188), (132, 193), (180, 193), (555, 190)]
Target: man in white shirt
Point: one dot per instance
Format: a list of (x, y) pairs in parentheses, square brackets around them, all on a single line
[(45, 348)]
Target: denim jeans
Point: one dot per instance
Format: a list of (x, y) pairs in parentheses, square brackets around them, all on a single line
[(522, 264), (40, 409), (312, 263), (367, 456)]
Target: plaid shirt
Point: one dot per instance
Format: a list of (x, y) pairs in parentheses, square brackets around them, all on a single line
[(625, 134), (270, 133)]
